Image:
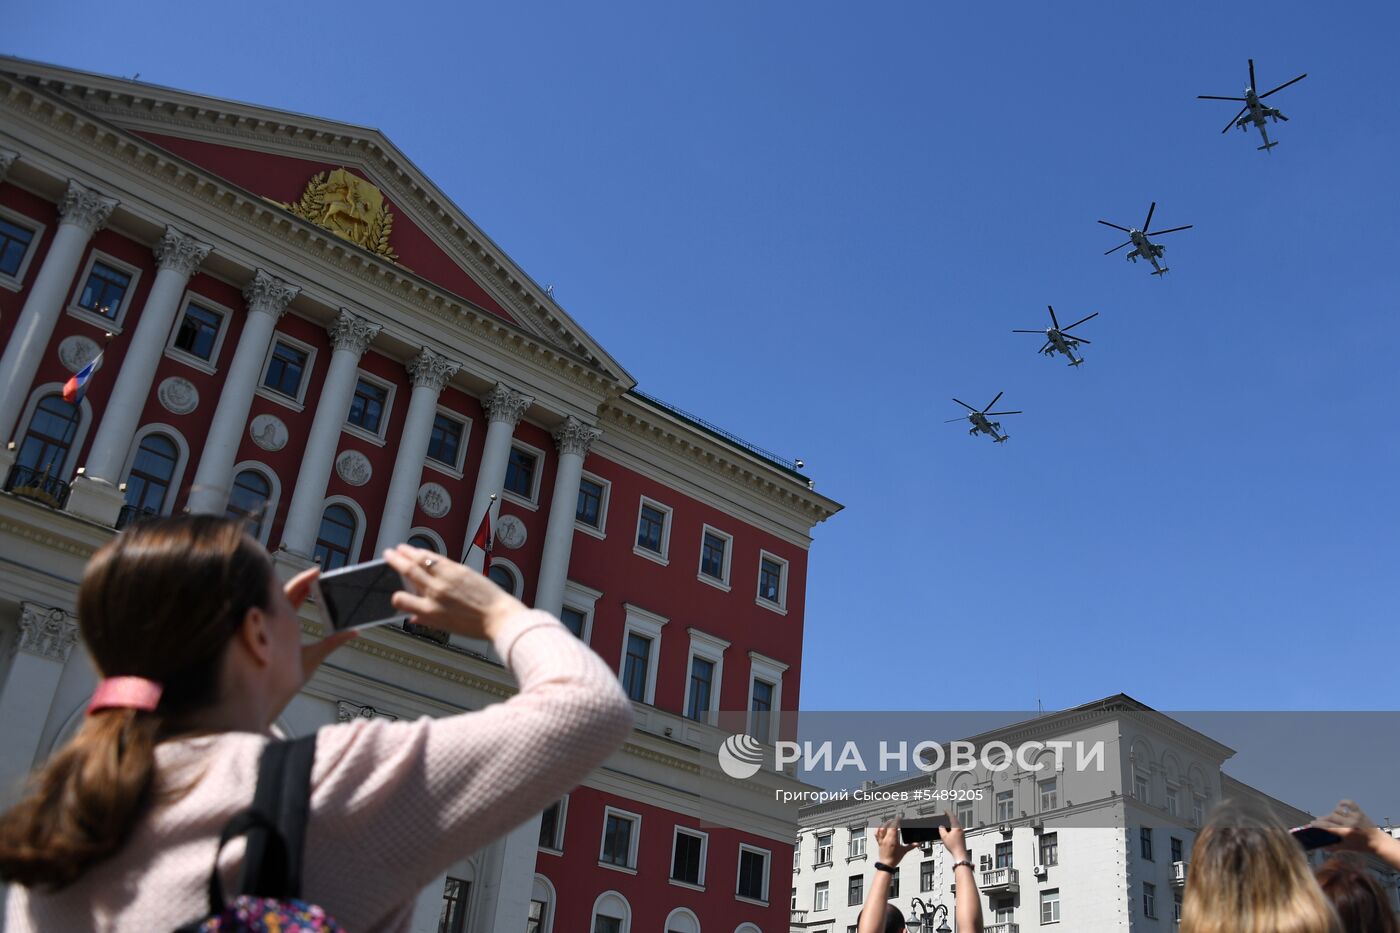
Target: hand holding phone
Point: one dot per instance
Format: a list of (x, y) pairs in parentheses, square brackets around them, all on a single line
[(359, 596), (1314, 837), (923, 829)]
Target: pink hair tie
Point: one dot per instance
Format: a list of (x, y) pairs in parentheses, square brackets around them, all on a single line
[(125, 693)]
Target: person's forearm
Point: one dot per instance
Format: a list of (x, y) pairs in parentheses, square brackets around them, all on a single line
[(1387, 848), (872, 915), (967, 900)]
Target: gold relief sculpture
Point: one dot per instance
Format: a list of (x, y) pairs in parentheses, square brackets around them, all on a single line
[(350, 207)]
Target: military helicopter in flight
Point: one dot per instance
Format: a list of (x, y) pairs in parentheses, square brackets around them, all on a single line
[(1143, 246), (1058, 340), (1253, 111), (980, 422)]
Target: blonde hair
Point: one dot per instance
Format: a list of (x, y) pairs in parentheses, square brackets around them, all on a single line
[(1248, 875)]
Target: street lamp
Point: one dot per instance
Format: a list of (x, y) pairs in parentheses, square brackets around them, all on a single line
[(927, 914)]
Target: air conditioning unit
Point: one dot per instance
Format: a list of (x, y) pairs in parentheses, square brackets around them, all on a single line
[(1039, 871), (1005, 829), (926, 848)]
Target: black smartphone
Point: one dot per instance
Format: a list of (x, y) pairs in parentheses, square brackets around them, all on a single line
[(359, 596), (1314, 837), (922, 829)]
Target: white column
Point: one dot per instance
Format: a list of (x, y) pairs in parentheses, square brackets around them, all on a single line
[(504, 408), (573, 439), (430, 372), (46, 639), (267, 298), (177, 256), (84, 212), (350, 336), (505, 878)]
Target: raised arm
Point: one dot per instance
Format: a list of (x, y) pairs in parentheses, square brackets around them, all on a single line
[(872, 915), (1360, 834), (966, 898)]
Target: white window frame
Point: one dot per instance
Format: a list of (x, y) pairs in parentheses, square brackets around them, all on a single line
[(1055, 911), (1173, 800), (820, 888), (262, 391), (453, 470), (1055, 792), (1009, 798), (857, 832), (584, 599), (543, 885), (514, 572), (428, 533), (664, 557), (780, 607), (704, 857), (762, 667), (274, 497), (563, 824), (817, 847), (113, 324), (375, 438), (1146, 795), (767, 873), (182, 459), (626, 918), (601, 532), (723, 582), (709, 648), (632, 840), (648, 624), (359, 540), (1149, 900), (225, 314), (533, 502), (16, 282)]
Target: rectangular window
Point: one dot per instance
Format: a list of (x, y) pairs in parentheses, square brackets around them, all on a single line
[(1050, 906), (1149, 899), (618, 841), (455, 901), (1176, 850), (285, 370), (856, 849), (1003, 855), (1173, 804), (634, 672), (104, 290), (753, 874), (770, 581), (199, 331), (688, 858), (1141, 788), (1145, 838), (1049, 795), (712, 550), (367, 406), (926, 873), (823, 849), (894, 884), (702, 678), (590, 503), (762, 709), (603, 924), (855, 890), (1049, 849), (651, 529), (820, 895), (1006, 806), (537, 918), (14, 244), (967, 818), (552, 826), (1176, 906), (1003, 911), (573, 620), (520, 473), (445, 443), (1198, 810)]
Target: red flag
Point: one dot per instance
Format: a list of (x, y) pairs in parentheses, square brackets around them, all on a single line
[(483, 541), (76, 385)]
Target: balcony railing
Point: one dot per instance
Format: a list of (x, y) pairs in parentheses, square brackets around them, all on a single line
[(131, 514), (1179, 870), (1007, 927), (40, 486), (1006, 880)]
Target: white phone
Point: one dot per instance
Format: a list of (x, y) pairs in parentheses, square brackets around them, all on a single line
[(359, 596)]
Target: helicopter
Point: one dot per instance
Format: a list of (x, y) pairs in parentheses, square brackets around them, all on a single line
[(979, 420), (1058, 340), (1253, 111), (1139, 239)]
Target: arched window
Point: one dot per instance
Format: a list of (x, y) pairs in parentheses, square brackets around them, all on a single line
[(248, 500), (502, 577), (45, 445), (611, 914), (540, 915), (336, 537), (424, 542), (682, 920), (148, 483)]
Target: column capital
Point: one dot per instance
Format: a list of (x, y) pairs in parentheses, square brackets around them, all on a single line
[(575, 437), (351, 332), (431, 369), (47, 632), (7, 158), (269, 294), (85, 208), (505, 404), (180, 252)]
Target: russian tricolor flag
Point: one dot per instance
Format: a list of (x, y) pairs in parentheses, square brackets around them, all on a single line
[(74, 388)]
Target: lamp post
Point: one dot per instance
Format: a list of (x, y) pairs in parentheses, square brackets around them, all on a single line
[(927, 914)]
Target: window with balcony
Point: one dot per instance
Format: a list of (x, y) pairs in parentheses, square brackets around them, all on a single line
[(41, 464), (1003, 859), (1176, 849), (148, 484)]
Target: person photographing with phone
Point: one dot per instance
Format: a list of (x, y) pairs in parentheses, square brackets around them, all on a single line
[(199, 648), (878, 915)]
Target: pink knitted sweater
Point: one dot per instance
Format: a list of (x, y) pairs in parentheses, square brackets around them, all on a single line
[(393, 804)]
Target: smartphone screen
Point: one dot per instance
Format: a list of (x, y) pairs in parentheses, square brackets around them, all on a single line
[(359, 596), (1314, 837), (923, 829)]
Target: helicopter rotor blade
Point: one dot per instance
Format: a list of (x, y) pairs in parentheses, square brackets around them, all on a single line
[(1118, 247), (959, 418), (1148, 222), (1028, 332), (1233, 120), (999, 413), (1172, 230), (994, 401), (1115, 226), (1080, 321), (1282, 86), (1252, 83), (1079, 340), (1054, 319), (1044, 348), (1213, 97), (964, 404)]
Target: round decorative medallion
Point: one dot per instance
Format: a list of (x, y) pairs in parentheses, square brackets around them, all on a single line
[(178, 395), (76, 352), (434, 500), (268, 432), (353, 467), (510, 531)]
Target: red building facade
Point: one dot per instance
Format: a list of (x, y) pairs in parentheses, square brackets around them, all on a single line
[(305, 332)]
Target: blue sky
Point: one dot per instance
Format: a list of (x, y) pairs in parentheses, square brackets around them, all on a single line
[(815, 223)]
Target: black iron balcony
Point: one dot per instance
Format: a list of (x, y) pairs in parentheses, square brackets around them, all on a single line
[(131, 514), (40, 486)]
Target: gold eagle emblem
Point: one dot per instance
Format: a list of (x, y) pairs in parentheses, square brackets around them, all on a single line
[(350, 207)]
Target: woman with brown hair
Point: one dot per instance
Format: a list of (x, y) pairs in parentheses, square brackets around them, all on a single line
[(1359, 899), (1248, 875), (200, 649)]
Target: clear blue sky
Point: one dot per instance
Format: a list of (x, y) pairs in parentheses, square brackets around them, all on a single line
[(814, 223)]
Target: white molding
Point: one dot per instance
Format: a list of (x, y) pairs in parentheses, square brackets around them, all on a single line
[(514, 572), (648, 624), (453, 470), (709, 648), (704, 857), (633, 838), (724, 582), (298, 403), (562, 825), (551, 900), (533, 501), (357, 542), (79, 433), (767, 874), (274, 498), (182, 459), (584, 599), (780, 607), (16, 282), (225, 313), (762, 667), (683, 913), (436, 538), (375, 438), (664, 557), (601, 532), (115, 322), (598, 903)]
